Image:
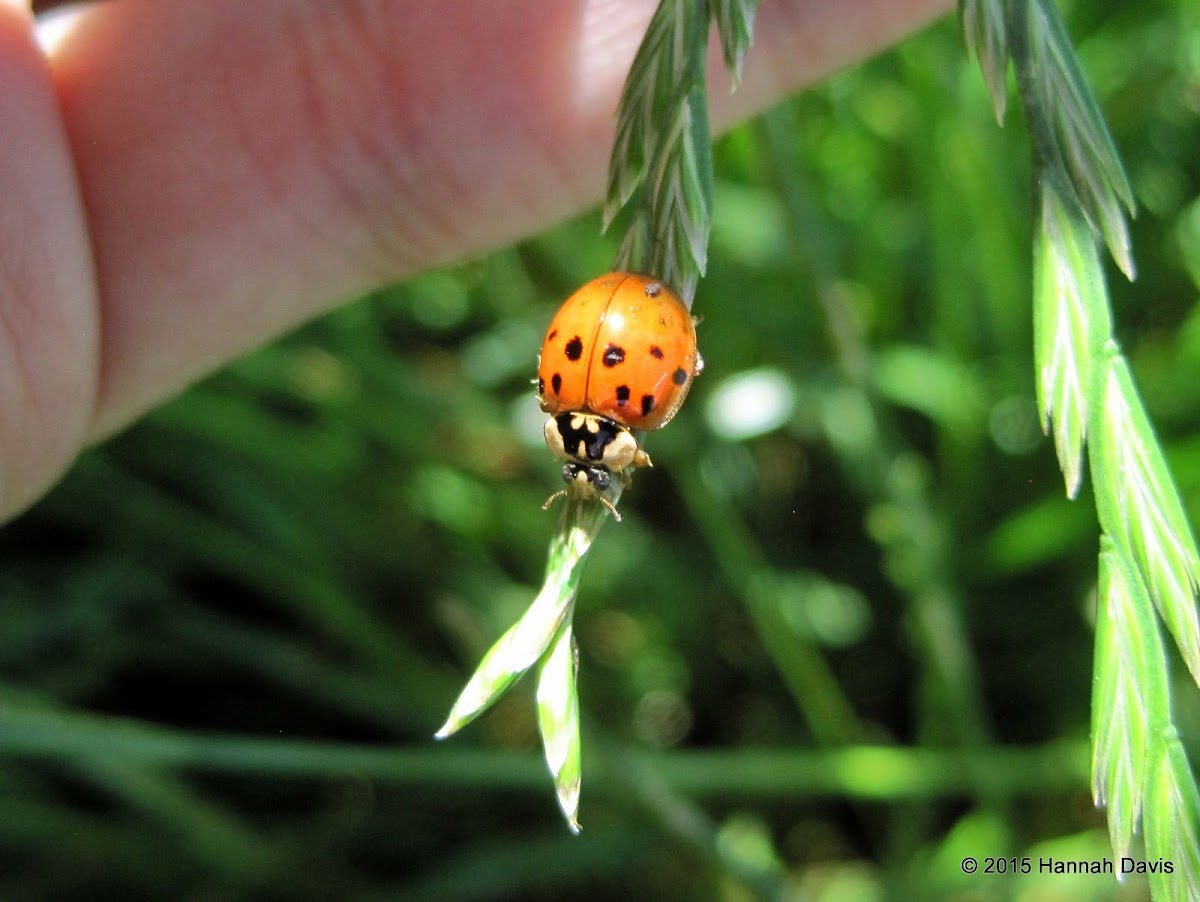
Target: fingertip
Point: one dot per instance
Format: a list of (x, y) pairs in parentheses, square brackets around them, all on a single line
[(48, 322), (55, 26)]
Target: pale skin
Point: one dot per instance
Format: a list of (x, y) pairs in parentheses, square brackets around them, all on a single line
[(180, 182)]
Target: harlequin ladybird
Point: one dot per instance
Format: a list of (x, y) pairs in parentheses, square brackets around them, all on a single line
[(619, 355)]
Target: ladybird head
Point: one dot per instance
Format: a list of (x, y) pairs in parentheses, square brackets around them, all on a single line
[(589, 482), (596, 452)]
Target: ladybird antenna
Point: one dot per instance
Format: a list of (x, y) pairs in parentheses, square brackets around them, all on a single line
[(612, 508), (563, 493)]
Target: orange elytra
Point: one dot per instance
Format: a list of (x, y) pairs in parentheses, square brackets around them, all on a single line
[(620, 355)]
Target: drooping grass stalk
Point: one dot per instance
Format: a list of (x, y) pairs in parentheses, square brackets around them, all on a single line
[(661, 164), (528, 639), (1087, 398), (558, 720), (663, 147)]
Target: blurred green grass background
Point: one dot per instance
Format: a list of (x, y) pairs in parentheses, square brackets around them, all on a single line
[(842, 639)]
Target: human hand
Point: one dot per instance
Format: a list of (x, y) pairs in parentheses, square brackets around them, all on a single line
[(181, 182)]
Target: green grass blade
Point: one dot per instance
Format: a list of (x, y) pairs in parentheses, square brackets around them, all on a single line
[(544, 634), (660, 65), (1130, 704), (883, 773), (662, 147), (558, 720), (1066, 125), (1139, 506), (1070, 324), (986, 35), (1086, 393), (663, 139), (680, 197), (218, 836), (1172, 822), (528, 639), (735, 24)]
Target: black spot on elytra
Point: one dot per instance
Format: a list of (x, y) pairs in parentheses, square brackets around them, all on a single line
[(679, 376), (622, 395), (553, 335), (613, 355), (647, 404), (656, 352), (574, 348), (653, 290), (556, 382)]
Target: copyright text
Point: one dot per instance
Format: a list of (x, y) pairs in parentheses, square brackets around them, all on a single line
[(1027, 865)]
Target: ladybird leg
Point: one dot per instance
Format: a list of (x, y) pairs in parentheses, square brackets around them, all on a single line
[(641, 459)]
